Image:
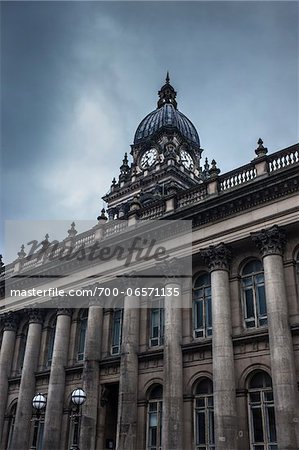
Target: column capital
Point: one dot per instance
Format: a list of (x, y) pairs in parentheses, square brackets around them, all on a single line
[(217, 257), (35, 315), (64, 312), (270, 241), (10, 321)]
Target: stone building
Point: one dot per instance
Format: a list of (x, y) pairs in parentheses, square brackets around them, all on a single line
[(219, 374)]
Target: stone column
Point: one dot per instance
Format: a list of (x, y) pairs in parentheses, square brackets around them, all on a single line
[(225, 409), (172, 416), (21, 434), (91, 375), (6, 356), (128, 378), (55, 397), (286, 400)]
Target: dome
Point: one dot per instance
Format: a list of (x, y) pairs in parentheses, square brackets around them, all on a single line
[(166, 115)]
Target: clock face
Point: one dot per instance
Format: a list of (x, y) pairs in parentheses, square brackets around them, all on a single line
[(148, 158), (186, 159)]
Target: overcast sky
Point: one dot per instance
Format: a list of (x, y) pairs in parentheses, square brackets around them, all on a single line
[(78, 77)]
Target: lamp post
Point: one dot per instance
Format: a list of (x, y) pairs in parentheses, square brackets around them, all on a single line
[(78, 397), (39, 403)]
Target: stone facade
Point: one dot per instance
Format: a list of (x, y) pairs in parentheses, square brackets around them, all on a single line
[(221, 374)]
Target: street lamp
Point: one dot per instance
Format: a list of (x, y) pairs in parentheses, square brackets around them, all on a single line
[(39, 403), (78, 397)]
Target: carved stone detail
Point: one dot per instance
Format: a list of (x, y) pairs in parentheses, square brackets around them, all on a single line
[(35, 315), (64, 312), (217, 257), (270, 241), (10, 321)]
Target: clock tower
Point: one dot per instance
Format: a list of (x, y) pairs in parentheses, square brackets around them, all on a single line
[(165, 154)]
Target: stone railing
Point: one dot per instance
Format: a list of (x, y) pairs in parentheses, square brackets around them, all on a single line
[(114, 226), (236, 177), (85, 238), (282, 159), (153, 212), (192, 196), (230, 180)]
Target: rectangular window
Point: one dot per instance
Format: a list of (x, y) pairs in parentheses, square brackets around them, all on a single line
[(157, 324), (116, 332), (154, 425)]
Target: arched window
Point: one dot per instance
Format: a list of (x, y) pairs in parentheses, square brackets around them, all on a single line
[(116, 331), (156, 320), (83, 317), (204, 415), (22, 348), (253, 295), (202, 306), (11, 424), (154, 418), (50, 342), (261, 413)]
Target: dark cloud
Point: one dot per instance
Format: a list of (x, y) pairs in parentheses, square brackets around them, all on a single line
[(78, 77)]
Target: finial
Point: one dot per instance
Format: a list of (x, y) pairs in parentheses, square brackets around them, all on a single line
[(113, 181), (167, 94), (214, 171), (45, 242), (21, 253), (261, 150), (103, 216), (72, 231), (206, 166)]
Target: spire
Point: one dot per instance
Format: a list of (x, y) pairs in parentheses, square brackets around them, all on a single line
[(167, 93), (167, 78)]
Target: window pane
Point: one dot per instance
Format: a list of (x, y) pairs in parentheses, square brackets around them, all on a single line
[(200, 403), (247, 282), (257, 423), (211, 427), (83, 325), (153, 436), (255, 397), (268, 396), (263, 322), (262, 300), (200, 428), (153, 420), (198, 314), (271, 424), (208, 312), (249, 306)]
